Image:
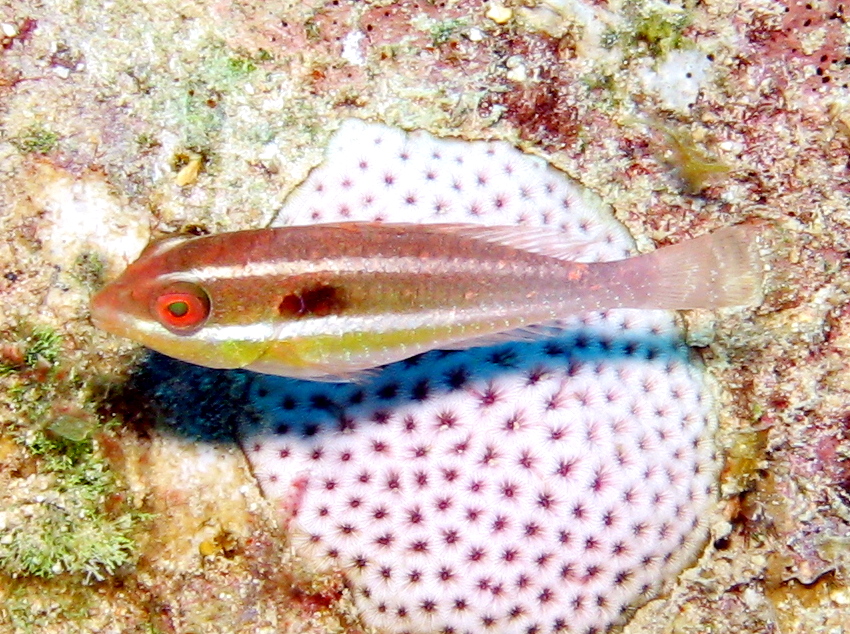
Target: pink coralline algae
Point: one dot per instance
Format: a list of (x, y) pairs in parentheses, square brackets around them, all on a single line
[(804, 46), (536, 486)]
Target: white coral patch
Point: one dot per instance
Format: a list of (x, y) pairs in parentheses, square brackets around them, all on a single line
[(352, 48), (678, 79), (83, 213), (543, 486)]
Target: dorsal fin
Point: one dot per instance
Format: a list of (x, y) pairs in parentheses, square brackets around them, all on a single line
[(542, 240)]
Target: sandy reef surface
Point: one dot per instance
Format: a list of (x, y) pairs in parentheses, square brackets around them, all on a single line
[(121, 121)]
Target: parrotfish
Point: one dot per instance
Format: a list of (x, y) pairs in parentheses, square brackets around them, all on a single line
[(330, 301)]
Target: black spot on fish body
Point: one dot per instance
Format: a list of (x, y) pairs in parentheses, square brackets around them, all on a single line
[(318, 300), (291, 306)]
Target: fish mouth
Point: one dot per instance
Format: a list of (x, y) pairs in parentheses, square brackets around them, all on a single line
[(98, 308), (106, 313)]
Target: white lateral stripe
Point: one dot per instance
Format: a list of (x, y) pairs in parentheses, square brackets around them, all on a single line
[(337, 325), (402, 264), (260, 331)]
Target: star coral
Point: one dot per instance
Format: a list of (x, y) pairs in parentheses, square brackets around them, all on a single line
[(533, 486)]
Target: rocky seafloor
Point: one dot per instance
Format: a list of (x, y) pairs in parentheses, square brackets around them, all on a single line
[(124, 121)]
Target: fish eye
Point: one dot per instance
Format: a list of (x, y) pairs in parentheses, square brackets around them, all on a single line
[(182, 308)]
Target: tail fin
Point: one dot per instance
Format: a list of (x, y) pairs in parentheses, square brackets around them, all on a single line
[(717, 270)]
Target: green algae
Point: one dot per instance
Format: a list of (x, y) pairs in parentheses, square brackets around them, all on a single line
[(36, 139), (28, 610), (66, 529), (89, 270), (694, 166), (446, 30), (40, 344), (220, 73), (240, 66), (661, 32), (65, 511), (650, 28)]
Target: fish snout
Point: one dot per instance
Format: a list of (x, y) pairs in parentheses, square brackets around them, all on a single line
[(109, 308)]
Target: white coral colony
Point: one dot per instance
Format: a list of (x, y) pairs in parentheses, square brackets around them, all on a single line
[(531, 487)]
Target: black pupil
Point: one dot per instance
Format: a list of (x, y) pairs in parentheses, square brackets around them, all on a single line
[(178, 309)]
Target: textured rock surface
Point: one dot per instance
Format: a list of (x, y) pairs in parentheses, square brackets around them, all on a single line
[(114, 100)]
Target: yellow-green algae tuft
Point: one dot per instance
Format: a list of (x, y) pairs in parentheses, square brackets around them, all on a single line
[(692, 164), (65, 510), (36, 139)]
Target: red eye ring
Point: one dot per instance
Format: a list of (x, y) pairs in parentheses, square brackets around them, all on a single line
[(182, 308)]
